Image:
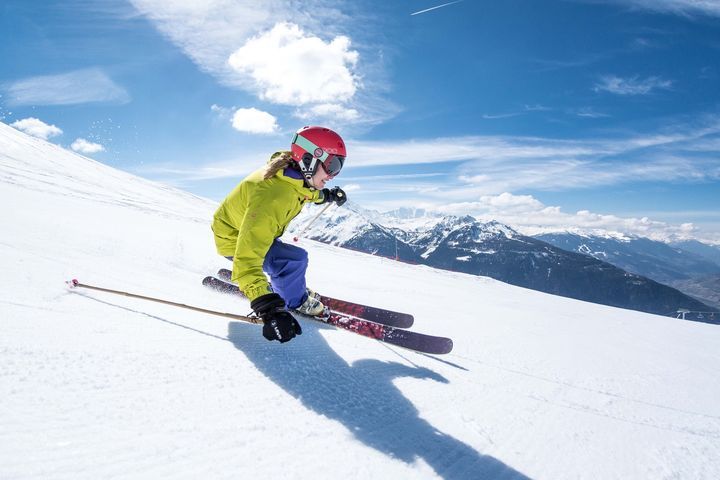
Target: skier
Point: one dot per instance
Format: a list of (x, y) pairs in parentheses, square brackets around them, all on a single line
[(252, 217)]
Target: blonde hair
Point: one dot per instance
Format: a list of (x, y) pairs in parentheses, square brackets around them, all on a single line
[(278, 161)]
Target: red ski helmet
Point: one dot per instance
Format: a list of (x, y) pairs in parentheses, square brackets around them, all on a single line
[(314, 146)]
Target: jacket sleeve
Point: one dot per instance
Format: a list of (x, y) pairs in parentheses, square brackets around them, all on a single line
[(256, 234), (318, 197)]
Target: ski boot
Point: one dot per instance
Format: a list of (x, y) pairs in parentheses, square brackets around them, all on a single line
[(312, 306)]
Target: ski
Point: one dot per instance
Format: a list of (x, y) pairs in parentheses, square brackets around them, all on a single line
[(221, 286), (374, 314), (418, 342)]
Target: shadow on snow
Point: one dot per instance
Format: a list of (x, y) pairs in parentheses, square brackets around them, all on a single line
[(362, 397)]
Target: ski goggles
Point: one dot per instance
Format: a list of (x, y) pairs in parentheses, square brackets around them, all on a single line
[(332, 164)]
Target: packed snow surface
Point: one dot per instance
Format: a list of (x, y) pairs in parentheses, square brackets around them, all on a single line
[(95, 385)]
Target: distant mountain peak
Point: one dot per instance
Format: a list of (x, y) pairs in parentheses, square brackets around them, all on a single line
[(594, 233), (500, 228), (408, 213)]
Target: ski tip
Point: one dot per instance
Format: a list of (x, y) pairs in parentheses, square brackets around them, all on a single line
[(72, 283), (442, 348), (405, 320)]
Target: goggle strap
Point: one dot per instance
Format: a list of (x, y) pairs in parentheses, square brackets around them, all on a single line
[(309, 147)]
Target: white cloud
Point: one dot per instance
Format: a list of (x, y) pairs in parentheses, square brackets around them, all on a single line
[(487, 116), (489, 150), (330, 111), (530, 216), (683, 7), (90, 85), (527, 109), (401, 176), (495, 164), (509, 201), (292, 67), (537, 108), (589, 113), (632, 85), (222, 112), (174, 175), (565, 175), (252, 120), (84, 146), (37, 128), (210, 32)]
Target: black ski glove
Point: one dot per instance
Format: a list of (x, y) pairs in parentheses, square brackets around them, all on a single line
[(336, 195), (278, 324)]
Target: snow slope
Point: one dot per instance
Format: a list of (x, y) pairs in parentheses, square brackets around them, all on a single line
[(101, 386)]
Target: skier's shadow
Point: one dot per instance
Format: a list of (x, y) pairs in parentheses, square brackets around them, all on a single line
[(362, 397)]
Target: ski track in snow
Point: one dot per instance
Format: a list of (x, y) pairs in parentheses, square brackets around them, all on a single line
[(102, 386)]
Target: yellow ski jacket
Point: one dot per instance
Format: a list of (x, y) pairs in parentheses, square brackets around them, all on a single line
[(251, 217)]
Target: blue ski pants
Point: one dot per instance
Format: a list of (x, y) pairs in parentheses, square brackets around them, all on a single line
[(286, 265)]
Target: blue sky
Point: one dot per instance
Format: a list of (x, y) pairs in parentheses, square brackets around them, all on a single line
[(541, 114)]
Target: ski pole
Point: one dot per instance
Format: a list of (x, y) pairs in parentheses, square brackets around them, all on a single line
[(297, 237), (76, 284)]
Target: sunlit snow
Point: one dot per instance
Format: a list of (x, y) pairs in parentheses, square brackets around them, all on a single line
[(101, 386)]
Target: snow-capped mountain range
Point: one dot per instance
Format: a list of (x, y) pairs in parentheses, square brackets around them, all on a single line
[(492, 249), (708, 252), (643, 256), (673, 265)]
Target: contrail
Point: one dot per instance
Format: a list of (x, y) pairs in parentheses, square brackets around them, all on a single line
[(433, 8)]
